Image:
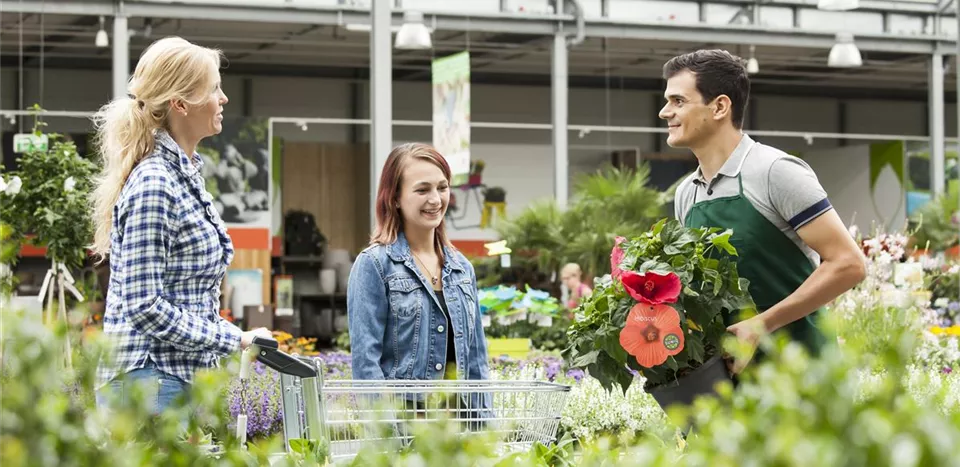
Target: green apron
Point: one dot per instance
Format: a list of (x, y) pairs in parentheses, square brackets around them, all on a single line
[(771, 261)]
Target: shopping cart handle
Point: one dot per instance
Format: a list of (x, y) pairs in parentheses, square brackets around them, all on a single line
[(287, 364), (263, 342)]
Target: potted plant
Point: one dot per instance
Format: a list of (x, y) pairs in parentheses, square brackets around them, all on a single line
[(494, 195), (935, 226), (661, 313), (476, 172)]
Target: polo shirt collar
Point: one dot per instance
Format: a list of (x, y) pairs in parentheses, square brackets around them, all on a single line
[(734, 163)]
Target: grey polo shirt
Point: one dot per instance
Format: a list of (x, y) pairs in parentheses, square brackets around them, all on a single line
[(781, 187)]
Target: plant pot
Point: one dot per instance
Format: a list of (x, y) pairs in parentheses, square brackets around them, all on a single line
[(516, 348), (328, 281), (475, 179), (697, 383)]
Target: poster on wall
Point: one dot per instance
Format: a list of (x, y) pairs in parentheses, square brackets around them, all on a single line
[(451, 113), (887, 190), (238, 172)]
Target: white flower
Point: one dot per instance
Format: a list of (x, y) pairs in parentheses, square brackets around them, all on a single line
[(69, 184), (13, 187)]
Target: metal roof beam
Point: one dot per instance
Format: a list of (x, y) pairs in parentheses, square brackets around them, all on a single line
[(503, 23)]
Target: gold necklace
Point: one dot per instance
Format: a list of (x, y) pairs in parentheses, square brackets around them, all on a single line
[(433, 279)]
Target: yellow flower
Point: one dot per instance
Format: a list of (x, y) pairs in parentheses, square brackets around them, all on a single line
[(950, 331)]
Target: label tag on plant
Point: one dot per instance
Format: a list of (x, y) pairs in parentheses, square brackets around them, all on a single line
[(28, 142), (504, 261), (544, 321)]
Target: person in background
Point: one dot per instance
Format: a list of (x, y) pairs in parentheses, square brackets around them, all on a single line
[(791, 244), (571, 275), (412, 297), (168, 249)]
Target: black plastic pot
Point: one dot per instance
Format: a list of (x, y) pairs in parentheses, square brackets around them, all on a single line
[(699, 382)]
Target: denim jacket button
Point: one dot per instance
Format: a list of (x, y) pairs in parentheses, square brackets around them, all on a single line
[(439, 328), (439, 366)]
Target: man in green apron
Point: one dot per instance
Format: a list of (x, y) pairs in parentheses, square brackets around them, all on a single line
[(792, 245)]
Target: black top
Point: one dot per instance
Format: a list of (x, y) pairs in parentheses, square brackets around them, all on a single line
[(451, 352)]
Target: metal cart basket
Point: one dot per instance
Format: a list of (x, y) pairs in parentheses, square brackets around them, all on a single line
[(352, 415)]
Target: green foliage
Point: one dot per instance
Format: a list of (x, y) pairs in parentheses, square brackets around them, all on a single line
[(603, 204), (793, 409), (935, 228), (712, 291), (545, 338), (47, 206), (944, 284)]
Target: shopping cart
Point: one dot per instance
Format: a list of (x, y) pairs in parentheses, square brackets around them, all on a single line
[(353, 415)]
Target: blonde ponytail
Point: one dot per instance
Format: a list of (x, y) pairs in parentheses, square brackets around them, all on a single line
[(170, 69), (124, 138)]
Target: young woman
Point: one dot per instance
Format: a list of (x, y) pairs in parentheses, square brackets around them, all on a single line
[(412, 297), (572, 277), (168, 248)]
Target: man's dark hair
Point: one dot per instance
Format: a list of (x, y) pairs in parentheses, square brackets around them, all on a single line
[(717, 72)]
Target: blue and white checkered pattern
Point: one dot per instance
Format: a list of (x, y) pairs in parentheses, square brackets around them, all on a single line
[(169, 253)]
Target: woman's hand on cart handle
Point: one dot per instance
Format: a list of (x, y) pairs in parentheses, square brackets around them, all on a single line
[(246, 339)]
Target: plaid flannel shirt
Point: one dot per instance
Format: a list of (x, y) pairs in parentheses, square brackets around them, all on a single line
[(169, 253)]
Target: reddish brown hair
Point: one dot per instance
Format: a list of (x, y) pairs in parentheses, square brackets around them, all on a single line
[(389, 218)]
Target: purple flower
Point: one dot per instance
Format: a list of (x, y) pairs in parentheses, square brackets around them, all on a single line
[(947, 370), (576, 374)]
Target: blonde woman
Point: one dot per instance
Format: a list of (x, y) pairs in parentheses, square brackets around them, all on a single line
[(167, 246), (572, 277)]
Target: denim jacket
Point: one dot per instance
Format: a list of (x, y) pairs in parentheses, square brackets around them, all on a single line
[(397, 328)]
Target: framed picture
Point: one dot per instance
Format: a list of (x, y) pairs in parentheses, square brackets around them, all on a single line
[(283, 287)]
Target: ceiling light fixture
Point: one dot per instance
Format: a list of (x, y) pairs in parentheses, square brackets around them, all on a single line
[(102, 39), (844, 53), (413, 34)]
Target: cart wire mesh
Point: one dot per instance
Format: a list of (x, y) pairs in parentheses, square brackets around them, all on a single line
[(383, 415)]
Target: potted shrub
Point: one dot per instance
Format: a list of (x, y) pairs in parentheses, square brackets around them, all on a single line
[(494, 195), (661, 313), (476, 172)]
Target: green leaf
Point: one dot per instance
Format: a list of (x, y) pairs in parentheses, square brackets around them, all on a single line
[(723, 241), (694, 347), (671, 363), (658, 227), (586, 359), (711, 275), (611, 345), (302, 446), (671, 250), (690, 292)]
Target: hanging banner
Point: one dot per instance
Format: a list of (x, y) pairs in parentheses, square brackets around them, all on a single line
[(451, 113)]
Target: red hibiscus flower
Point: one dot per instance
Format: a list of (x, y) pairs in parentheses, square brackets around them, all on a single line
[(651, 287), (652, 334), (616, 256)]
